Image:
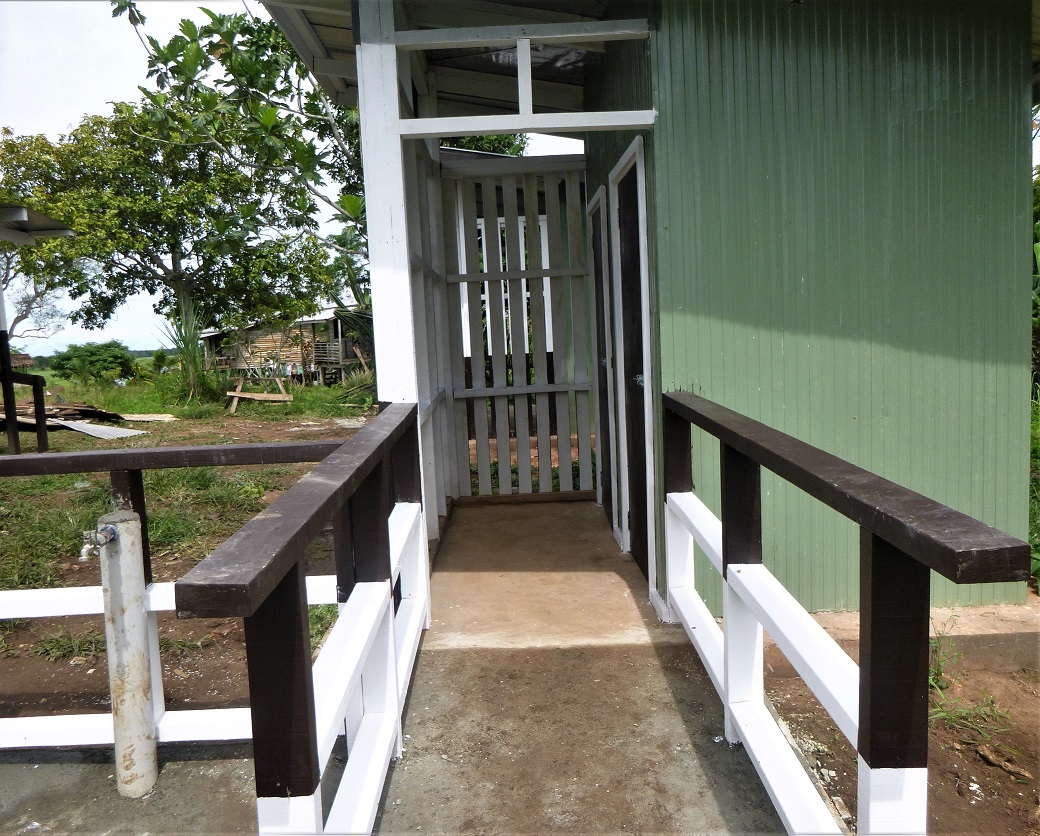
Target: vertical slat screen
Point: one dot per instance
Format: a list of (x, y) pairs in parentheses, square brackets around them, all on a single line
[(521, 275), (535, 260), (478, 364), (580, 308), (517, 332), (456, 292)]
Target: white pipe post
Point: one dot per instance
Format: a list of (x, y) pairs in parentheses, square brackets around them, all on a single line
[(128, 646)]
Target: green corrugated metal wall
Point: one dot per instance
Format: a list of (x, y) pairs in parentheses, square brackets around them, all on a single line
[(841, 228)]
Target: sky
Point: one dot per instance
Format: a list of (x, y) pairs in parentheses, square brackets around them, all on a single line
[(60, 61)]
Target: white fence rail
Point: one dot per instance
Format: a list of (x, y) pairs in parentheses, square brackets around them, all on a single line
[(732, 654), (361, 676)]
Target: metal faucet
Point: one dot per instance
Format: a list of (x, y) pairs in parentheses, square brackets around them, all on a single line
[(94, 540)]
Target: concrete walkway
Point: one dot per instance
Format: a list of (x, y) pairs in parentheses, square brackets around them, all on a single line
[(548, 696)]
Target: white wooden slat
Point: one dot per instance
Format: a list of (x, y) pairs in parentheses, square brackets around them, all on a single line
[(357, 801), (403, 528), (703, 631), (45, 603), (60, 730), (321, 589), (547, 388), (496, 325), (453, 218), (699, 520), (510, 275), (517, 333), (588, 33), (337, 670), (210, 724), (535, 260), (579, 328), (159, 597), (819, 660), (799, 804), (560, 314), (408, 628), (511, 123), (476, 336)]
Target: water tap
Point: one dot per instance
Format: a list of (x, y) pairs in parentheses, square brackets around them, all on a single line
[(94, 540)]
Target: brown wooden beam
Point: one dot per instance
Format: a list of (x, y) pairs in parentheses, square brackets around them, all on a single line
[(281, 692), (741, 509), (7, 390), (957, 546), (893, 656)]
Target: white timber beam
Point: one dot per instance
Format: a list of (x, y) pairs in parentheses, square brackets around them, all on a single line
[(525, 93), (512, 123), (386, 203), (444, 14), (538, 33)]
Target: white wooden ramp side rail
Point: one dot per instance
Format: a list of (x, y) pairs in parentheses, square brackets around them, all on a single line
[(371, 490), (369, 487), (881, 706)]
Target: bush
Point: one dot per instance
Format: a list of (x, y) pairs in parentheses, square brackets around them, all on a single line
[(94, 362)]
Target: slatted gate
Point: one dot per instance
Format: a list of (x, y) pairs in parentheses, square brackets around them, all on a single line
[(520, 322)]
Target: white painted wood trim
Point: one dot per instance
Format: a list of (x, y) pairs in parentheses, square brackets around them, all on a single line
[(542, 33), (299, 814), (525, 97), (703, 631), (510, 123), (819, 660), (698, 519), (531, 389), (513, 275), (457, 167), (798, 803), (892, 801), (354, 809), (742, 651), (209, 724)]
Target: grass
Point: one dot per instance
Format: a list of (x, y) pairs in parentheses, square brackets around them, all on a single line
[(941, 658), (321, 619), (982, 720), (65, 645)]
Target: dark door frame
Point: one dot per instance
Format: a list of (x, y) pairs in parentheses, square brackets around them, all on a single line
[(634, 158)]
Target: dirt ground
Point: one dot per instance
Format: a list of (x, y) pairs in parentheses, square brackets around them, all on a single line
[(998, 647)]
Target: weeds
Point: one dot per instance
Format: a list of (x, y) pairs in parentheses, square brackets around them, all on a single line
[(64, 645), (984, 719), (8, 626), (180, 647), (941, 657)]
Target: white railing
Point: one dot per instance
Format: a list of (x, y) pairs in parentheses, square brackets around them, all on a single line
[(732, 655), (361, 676), (881, 705)]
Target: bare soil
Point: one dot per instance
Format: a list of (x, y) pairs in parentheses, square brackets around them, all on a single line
[(999, 649)]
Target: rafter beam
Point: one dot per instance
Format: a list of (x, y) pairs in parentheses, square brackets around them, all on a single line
[(537, 33), (511, 123)]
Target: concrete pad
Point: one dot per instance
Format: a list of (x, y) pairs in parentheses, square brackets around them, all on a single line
[(548, 696)]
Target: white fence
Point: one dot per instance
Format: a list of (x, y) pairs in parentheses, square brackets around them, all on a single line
[(360, 677), (732, 654)]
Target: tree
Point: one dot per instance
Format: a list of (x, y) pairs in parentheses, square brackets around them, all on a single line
[(31, 292), (94, 361), (156, 212), (238, 82)]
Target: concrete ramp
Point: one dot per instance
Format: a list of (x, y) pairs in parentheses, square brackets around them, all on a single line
[(548, 696)]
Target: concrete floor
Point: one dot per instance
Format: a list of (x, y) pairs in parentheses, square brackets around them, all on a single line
[(548, 696)]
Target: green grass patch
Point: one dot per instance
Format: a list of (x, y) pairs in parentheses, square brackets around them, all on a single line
[(983, 720), (321, 619), (65, 645), (170, 646)]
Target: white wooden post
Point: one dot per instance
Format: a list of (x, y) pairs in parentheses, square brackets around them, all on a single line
[(128, 645), (386, 203), (892, 801), (742, 653)]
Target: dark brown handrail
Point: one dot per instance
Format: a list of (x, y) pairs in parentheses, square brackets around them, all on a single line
[(239, 574), (154, 458), (902, 536), (955, 545)]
